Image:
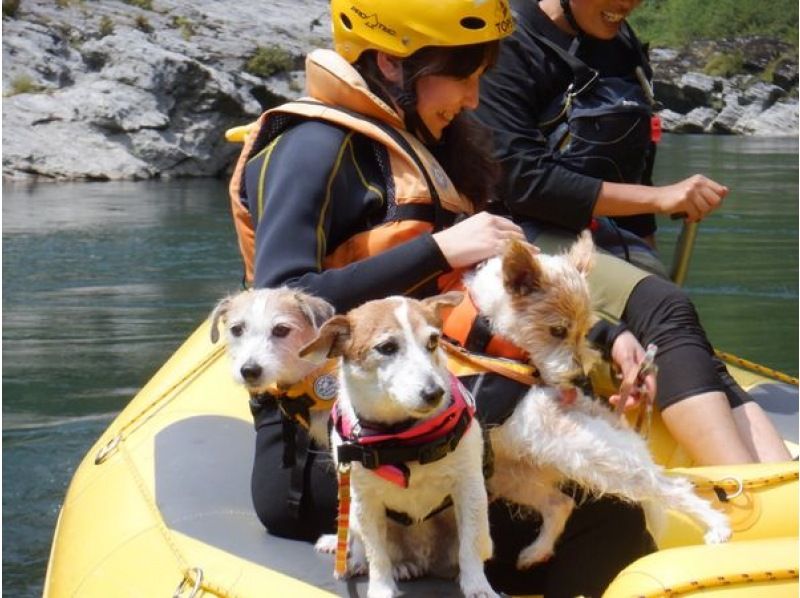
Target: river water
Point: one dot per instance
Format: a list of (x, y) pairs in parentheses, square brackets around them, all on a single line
[(102, 282)]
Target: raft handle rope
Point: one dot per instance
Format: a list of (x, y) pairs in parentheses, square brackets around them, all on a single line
[(193, 576), (106, 451), (739, 485), (756, 368)]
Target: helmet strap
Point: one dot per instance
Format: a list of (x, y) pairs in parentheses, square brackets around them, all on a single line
[(406, 98), (565, 6)]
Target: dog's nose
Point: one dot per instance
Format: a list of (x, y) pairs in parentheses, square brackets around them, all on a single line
[(250, 371), (432, 393), (584, 383)]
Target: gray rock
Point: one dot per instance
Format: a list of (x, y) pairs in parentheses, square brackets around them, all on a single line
[(152, 97), (762, 94), (697, 121), (780, 120)]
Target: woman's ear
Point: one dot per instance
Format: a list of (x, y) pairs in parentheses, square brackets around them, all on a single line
[(391, 67)]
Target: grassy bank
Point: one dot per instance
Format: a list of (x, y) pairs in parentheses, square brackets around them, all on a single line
[(675, 23)]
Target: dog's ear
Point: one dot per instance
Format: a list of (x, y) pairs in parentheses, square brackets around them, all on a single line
[(330, 340), (522, 274), (219, 312), (582, 253), (438, 302), (315, 310)]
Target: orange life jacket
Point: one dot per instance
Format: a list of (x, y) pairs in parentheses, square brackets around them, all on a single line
[(425, 197)]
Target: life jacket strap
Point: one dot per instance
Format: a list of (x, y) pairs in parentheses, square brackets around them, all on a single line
[(376, 455), (472, 331), (405, 518)]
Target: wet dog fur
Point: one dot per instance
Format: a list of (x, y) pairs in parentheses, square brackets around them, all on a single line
[(542, 304)]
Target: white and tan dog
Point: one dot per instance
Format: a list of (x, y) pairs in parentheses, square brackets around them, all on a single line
[(393, 384), (265, 330), (541, 303)]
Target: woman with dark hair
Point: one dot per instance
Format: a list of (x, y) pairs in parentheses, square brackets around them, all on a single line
[(373, 186)]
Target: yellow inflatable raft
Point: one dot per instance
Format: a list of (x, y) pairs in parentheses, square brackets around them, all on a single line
[(161, 506)]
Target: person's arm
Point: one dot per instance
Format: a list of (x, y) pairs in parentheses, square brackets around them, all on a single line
[(536, 182), (308, 201)]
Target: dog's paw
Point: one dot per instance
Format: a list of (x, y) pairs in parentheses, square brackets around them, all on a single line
[(326, 544), (406, 571), (533, 555), (479, 589), (718, 534), (381, 591)]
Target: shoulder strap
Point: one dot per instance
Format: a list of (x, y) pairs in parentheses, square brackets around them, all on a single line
[(582, 75), (441, 218)]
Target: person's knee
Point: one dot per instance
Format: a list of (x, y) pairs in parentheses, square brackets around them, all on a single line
[(660, 312)]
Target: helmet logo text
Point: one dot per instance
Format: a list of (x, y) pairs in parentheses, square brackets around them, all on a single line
[(372, 21)]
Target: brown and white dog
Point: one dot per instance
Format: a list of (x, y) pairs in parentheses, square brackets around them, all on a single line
[(265, 330), (541, 304), (395, 391)]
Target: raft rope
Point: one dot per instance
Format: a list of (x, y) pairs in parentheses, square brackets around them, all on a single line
[(720, 581), (193, 575), (756, 367), (738, 486), (150, 409), (343, 523)]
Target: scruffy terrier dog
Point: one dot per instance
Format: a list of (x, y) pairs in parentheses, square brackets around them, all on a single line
[(403, 424), (541, 304), (265, 330)]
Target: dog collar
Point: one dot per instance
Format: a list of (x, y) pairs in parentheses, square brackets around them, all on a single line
[(466, 326), (386, 452), (314, 392)]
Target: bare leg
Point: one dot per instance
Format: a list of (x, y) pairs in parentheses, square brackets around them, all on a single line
[(759, 434), (705, 427)]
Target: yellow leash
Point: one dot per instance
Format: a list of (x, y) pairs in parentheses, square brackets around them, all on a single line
[(755, 367), (343, 524)]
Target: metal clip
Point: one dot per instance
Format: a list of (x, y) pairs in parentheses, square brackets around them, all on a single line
[(197, 574)]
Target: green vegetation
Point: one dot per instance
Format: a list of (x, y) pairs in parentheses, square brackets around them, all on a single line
[(10, 8), (143, 24), (269, 60), (724, 65), (106, 26), (185, 25), (675, 23), (23, 84), (143, 4)]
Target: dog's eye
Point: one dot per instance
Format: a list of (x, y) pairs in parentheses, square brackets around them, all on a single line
[(433, 342), (558, 331), (389, 347), (281, 330), (237, 329)]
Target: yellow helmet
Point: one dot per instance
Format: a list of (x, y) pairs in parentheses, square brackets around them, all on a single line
[(401, 27)]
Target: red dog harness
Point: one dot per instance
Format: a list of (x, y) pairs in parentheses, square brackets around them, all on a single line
[(387, 452)]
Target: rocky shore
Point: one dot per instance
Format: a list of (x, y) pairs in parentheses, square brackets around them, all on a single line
[(146, 88)]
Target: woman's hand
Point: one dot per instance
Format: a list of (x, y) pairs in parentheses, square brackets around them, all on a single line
[(477, 238), (693, 198), (627, 353)]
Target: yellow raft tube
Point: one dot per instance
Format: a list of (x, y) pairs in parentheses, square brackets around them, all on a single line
[(160, 506)]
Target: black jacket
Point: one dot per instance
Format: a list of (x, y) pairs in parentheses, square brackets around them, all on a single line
[(515, 95)]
